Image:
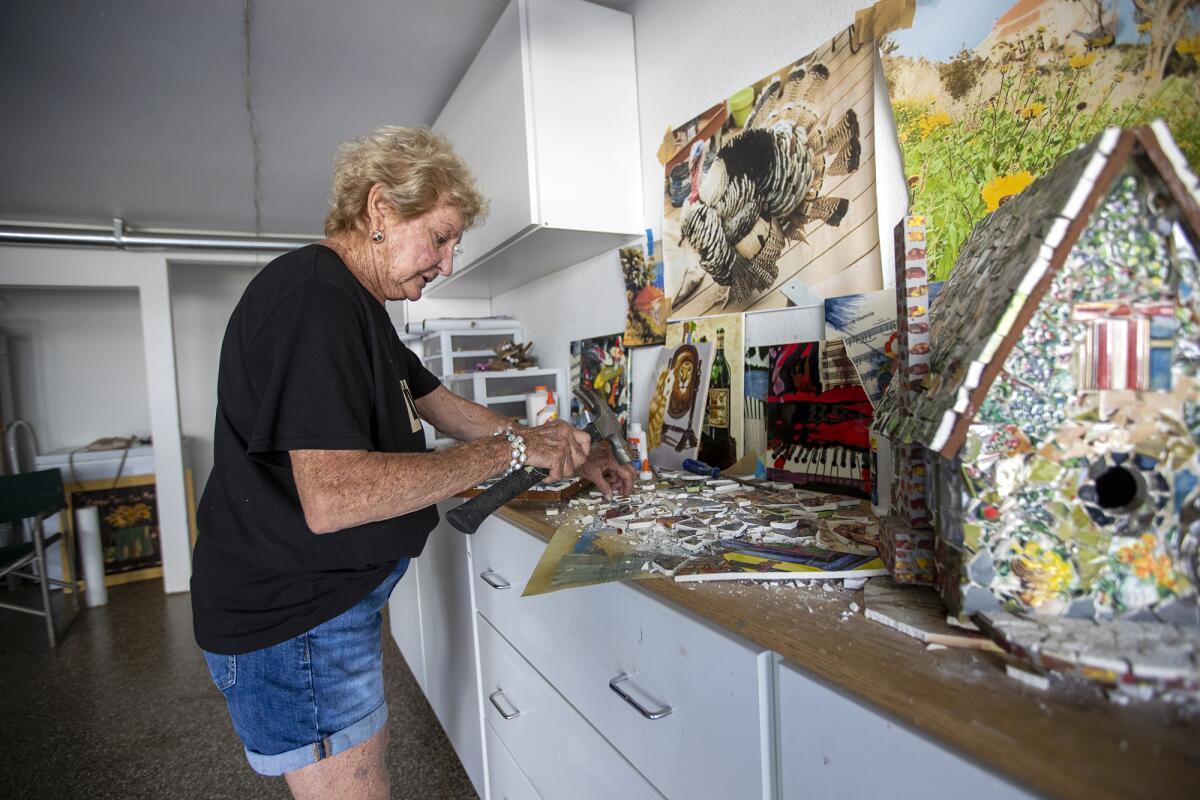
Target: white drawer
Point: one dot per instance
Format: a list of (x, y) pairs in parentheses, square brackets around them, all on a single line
[(717, 686), (556, 749), (505, 779), (835, 747)]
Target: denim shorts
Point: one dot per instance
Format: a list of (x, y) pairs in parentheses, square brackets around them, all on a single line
[(314, 695)]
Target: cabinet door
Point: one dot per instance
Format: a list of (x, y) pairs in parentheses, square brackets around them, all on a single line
[(507, 780), (451, 684), (404, 612), (833, 746), (560, 753), (697, 696), (486, 121)]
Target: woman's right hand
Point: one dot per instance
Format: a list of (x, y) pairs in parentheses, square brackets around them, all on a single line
[(557, 447)]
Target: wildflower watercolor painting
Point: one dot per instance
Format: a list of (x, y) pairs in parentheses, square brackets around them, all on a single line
[(988, 95)]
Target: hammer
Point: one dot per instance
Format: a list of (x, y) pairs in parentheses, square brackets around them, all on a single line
[(602, 424)]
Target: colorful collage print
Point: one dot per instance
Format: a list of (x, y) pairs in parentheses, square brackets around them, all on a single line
[(602, 364)]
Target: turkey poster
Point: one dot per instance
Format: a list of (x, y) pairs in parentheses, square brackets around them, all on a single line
[(988, 95), (771, 192), (602, 363)]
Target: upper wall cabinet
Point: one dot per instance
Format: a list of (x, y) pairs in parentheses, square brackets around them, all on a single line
[(547, 118)]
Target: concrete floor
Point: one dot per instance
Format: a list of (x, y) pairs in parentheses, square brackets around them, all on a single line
[(126, 709)]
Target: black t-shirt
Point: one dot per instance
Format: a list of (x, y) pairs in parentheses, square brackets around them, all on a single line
[(310, 361)]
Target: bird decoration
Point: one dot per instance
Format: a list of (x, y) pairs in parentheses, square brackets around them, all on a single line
[(509, 355), (764, 184)]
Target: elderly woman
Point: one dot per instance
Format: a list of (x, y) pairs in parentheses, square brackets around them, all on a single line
[(321, 489)]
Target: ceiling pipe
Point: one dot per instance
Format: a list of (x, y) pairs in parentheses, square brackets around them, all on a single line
[(122, 239)]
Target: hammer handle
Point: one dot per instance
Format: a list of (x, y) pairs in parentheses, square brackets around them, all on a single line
[(471, 514)]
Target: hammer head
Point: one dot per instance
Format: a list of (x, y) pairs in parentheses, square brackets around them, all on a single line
[(603, 420)]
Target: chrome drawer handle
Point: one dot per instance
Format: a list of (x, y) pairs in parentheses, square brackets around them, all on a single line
[(503, 584), (515, 712), (621, 693)]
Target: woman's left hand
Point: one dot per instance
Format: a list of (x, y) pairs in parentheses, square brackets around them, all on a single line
[(602, 469)]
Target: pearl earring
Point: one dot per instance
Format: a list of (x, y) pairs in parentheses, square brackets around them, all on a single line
[(376, 236)]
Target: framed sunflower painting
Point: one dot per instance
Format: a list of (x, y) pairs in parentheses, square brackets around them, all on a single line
[(129, 527)]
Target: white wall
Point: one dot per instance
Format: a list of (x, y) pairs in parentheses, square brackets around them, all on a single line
[(78, 367), (77, 363), (582, 301), (202, 298), (690, 55)]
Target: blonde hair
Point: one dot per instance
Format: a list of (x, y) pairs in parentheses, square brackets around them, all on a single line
[(418, 167)]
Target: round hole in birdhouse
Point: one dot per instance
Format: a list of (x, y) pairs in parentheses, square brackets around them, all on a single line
[(1120, 488)]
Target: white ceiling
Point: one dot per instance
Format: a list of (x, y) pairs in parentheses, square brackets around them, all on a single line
[(138, 108)]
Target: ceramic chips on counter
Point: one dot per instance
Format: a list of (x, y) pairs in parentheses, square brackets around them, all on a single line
[(692, 528)]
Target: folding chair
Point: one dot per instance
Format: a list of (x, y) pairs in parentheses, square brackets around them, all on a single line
[(37, 496)]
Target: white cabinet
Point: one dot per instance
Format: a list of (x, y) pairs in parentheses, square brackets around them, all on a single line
[(833, 746), (700, 713), (444, 622), (504, 776), (503, 392), (556, 749), (404, 620), (547, 117), (671, 692)]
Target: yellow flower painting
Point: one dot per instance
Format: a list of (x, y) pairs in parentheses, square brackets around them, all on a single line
[(1031, 111), (1000, 188), (931, 122), (128, 516), (1083, 60), (979, 109)]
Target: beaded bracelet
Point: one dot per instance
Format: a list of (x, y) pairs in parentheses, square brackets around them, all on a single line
[(517, 442)]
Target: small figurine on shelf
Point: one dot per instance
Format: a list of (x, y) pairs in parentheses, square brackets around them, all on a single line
[(510, 355)]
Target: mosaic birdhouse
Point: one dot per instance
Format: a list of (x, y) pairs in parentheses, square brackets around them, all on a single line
[(1058, 421)]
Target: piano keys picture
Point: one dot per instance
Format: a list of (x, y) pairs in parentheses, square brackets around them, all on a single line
[(817, 435)]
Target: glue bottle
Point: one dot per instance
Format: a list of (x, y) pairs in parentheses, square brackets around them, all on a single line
[(646, 474), (534, 403), (547, 412), (637, 440), (636, 434)]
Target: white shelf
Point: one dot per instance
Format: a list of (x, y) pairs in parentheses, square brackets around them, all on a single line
[(504, 398), (465, 354)]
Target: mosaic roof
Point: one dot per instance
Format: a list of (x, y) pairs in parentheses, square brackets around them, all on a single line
[(1001, 274)]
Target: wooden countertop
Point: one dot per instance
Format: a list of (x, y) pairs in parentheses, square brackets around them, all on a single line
[(1068, 741)]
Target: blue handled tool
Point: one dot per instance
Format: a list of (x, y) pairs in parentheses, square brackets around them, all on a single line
[(708, 470), (700, 468)]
